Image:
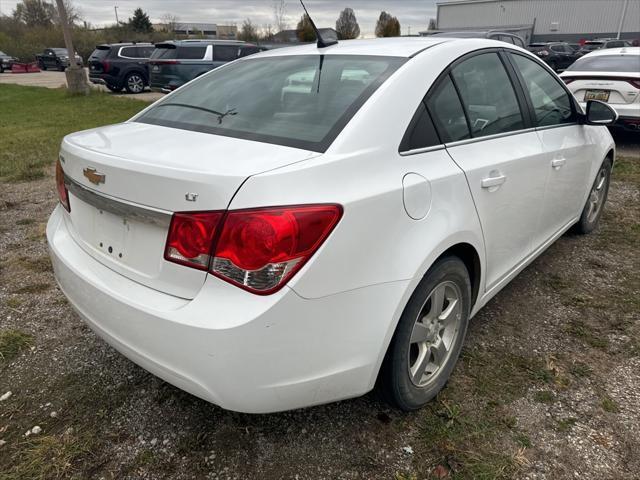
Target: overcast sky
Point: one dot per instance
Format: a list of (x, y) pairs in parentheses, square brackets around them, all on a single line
[(411, 13)]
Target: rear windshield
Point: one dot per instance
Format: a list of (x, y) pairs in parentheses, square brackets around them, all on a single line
[(301, 101), (100, 52), (60, 51), (607, 63)]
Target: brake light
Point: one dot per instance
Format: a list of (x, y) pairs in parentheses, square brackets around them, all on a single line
[(257, 249), (63, 193), (105, 66), (190, 238)]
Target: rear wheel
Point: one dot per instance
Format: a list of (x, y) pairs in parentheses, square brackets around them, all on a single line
[(134, 83), (42, 66), (429, 336), (592, 210), (61, 67)]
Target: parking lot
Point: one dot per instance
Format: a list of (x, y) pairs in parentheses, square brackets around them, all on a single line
[(547, 386), (52, 79)]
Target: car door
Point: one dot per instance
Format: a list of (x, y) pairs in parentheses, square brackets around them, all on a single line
[(490, 140), (50, 58), (567, 147)]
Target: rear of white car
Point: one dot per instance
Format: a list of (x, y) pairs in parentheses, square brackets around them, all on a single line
[(611, 76)]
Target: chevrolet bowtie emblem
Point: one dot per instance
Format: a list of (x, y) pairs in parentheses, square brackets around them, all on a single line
[(93, 176)]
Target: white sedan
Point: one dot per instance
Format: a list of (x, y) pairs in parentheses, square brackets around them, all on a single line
[(300, 225), (612, 76)]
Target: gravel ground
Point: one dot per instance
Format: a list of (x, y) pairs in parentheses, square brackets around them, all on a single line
[(548, 386)]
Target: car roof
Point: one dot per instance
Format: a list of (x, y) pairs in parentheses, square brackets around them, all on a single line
[(197, 42), (615, 51), (386, 47), (126, 44)]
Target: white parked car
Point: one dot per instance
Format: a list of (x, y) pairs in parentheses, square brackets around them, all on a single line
[(612, 76), (267, 247)]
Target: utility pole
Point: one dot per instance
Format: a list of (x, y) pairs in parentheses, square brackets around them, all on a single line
[(115, 9), (76, 77), (624, 13)]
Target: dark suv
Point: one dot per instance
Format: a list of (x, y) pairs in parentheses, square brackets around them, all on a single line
[(591, 45), (121, 65), (558, 55), (175, 63)]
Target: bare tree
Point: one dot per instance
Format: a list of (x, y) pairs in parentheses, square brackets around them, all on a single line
[(267, 32), (248, 32), (280, 15), (76, 76), (169, 20), (347, 25)]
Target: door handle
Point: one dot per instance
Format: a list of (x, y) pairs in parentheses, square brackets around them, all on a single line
[(494, 180), (558, 162)]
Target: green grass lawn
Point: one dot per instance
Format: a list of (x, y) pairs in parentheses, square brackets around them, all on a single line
[(33, 121)]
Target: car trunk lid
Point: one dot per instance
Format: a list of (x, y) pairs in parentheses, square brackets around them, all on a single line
[(614, 88), (126, 180)]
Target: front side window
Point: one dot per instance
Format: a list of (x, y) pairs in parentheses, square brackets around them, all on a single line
[(551, 103), (446, 110), (487, 95), (302, 101)]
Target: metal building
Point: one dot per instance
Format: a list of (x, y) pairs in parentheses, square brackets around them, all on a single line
[(544, 20)]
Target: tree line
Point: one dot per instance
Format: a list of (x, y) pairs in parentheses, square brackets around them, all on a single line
[(34, 25)]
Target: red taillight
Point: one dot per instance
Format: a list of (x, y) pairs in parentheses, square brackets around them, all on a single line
[(258, 249), (105, 66), (63, 193), (191, 237)]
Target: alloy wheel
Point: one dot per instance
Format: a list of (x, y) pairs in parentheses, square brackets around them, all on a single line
[(434, 333), (597, 195), (135, 84)]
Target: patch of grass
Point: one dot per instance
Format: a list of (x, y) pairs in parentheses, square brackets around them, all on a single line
[(608, 404), (581, 370), (627, 169), (37, 264), (524, 440), (579, 329), (465, 442), (25, 221), (49, 457), (12, 342), (566, 424), (544, 396), (33, 288), (31, 142), (13, 302)]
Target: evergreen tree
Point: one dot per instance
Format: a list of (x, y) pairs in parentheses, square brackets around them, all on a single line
[(140, 22)]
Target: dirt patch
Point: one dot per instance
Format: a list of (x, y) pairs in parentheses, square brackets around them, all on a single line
[(547, 386)]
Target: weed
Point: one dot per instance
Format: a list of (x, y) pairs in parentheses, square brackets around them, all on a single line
[(609, 405), (544, 396), (12, 342)]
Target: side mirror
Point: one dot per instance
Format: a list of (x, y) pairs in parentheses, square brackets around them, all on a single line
[(600, 113)]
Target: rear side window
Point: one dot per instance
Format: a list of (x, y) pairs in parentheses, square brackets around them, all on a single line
[(246, 51), (557, 48), (165, 52), (225, 53), (551, 103), (616, 44), (192, 53), (487, 95), (145, 52), (421, 132), (447, 113), (130, 52)]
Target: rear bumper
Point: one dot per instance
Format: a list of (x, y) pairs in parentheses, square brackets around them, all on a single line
[(243, 352)]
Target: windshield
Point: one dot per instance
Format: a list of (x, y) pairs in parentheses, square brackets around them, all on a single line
[(299, 101), (607, 63), (60, 51)]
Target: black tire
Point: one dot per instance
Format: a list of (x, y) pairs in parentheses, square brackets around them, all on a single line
[(1, 68), (61, 67), (395, 382), (113, 88), (134, 82), (43, 67), (589, 219)]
